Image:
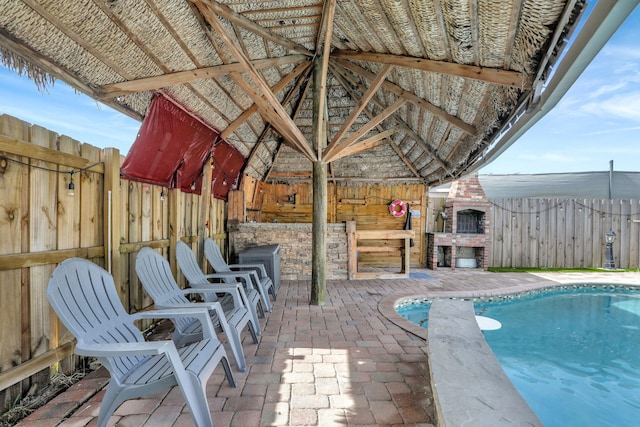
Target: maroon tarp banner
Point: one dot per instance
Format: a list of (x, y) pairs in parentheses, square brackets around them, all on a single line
[(228, 163), (170, 149)]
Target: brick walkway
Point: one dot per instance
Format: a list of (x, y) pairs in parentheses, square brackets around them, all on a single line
[(342, 364)]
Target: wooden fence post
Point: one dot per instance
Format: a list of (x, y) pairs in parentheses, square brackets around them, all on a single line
[(174, 228), (352, 254), (112, 216), (203, 217)]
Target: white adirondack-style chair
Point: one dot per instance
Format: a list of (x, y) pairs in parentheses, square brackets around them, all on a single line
[(84, 297), (198, 280), (254, 273), (155, 275)]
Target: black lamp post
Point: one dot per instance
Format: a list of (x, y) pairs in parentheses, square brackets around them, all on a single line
[(609, 263)]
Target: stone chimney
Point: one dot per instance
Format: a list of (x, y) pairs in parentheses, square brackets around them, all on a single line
[(465, 239), (467, 189)]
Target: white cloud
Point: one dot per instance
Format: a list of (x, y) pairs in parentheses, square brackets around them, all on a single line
[(622, 106)]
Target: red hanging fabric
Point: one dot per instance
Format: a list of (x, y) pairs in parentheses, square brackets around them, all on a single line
[(170, 149), (228, 163)]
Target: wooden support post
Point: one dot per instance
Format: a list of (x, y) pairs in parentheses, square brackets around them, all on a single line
[(319, 226), (319, 235), (205, 208), (112, 219), (174, 228), (352, 252), (406, 258), (236, 206)]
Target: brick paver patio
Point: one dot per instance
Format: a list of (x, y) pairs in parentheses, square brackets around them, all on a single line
[(343, 364)]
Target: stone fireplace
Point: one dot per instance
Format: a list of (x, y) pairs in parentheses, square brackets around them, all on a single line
[(465, 239)]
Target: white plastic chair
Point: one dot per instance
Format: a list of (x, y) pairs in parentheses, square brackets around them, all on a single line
[(198, 280), (257, 274), (155, 275), (84, 297)]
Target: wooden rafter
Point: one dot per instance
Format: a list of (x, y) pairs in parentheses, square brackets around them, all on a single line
[(367, 144), (516, 9), (405, 126), (242, 21), (296, 111), (276, 10), (411, 97), (341, 79), (362, 103), (117, 18), (261, 94), (388, 111), (323, 44), (276, 88), (286, 101), (404, 157), (489, 75), (150, 83), (433, 153)]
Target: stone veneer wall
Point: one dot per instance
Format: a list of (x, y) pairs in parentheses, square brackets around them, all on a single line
[(295, 247)]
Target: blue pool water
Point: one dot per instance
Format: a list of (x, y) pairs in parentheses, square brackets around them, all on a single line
[(573, 354)]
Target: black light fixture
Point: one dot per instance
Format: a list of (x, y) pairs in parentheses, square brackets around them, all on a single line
[(162, 195), (609, 238), (71, 187)]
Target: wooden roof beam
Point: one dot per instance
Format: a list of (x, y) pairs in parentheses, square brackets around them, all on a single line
[(244, 22), (407, 129), (404, 158), (269, 105), (113, 90), (323, 44), (367, 144), (341, 79), (296, 111), (413, 135), (244, 116), (412, 98), (362, 103), (283, 9), (286, 101), (363, 130), (489, 75)]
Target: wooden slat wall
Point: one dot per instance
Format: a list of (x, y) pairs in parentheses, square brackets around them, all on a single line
[(367, 205), (40, 225), (563, 232)]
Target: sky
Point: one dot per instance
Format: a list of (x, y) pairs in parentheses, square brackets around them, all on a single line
[(598, 119)]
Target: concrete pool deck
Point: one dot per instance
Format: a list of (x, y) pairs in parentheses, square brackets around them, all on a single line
[(341, 364)]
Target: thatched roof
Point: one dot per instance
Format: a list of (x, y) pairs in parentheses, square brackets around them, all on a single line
[(440, 79)]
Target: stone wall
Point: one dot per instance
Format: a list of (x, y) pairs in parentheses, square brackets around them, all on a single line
[(295, 247)]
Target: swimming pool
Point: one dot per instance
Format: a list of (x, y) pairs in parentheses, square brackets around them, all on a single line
[(572, 353)]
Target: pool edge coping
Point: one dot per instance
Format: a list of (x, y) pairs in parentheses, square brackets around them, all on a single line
[(387, 307)]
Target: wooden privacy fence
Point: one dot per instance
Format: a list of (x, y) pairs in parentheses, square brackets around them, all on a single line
[(563, 232), (107, 220)]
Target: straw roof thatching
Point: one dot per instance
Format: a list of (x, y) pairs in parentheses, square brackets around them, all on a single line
[(440, 79)]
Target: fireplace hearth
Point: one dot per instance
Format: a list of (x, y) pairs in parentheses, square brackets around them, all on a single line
[(464, 242)]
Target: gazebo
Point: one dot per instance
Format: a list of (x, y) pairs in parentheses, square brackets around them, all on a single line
[(318, 91), (286, 111)]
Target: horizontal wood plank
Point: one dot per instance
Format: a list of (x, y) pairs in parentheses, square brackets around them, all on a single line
[(32, 259), (385, 234), (22, 148)]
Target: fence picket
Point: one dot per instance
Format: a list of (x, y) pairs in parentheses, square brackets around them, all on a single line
[(563, 233), (38, 216)]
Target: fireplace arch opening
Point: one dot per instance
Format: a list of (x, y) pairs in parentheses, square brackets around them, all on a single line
[(470, 221)]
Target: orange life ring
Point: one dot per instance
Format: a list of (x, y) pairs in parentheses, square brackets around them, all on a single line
[(393, 208)]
